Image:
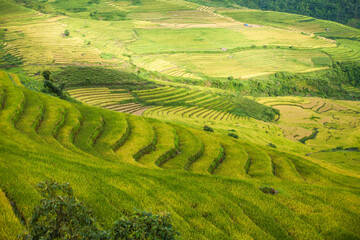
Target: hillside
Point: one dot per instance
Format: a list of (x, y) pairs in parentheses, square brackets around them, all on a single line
[(186, 107), (116, 162)]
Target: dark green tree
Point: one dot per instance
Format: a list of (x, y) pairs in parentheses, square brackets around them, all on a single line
[(233, 135), (61, 216), (208, 129), (46, 75), (144, 225), (52, 89), (67, 33)]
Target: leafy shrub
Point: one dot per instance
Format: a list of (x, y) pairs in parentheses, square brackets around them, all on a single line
[(143, 225), (46, 75), (208, 129), (52, 89), (60, 216), (272, 145), (269, 190), (66, 33), (233, 135)]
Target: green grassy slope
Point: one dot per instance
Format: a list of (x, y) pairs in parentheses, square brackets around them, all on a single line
[(322, 202)]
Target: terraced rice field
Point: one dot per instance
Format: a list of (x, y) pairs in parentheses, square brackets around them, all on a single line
[(195, 113), (343, 54), (171, 96), (165, 162), (244, 64), (210, 38), (172, 57), (162, 66), (200, 105), (42, 36), (89, 128), (113, 99), (116, 161), (337, 123)]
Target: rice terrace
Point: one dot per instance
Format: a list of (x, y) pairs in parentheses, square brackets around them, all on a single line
[(179, 119)]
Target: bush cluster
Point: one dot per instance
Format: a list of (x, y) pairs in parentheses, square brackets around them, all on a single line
[(61, 216), (208, 129), (233, 135), (269, 190)]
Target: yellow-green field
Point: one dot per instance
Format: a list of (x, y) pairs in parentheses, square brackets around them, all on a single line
[(108, 166), (244, 64), (171, 132)]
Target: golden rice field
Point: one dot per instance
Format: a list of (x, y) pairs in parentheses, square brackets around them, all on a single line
[(119, 100), (149, 39), (245, 64)]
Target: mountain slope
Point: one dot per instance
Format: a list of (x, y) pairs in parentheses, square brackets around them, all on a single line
[(61, 141)]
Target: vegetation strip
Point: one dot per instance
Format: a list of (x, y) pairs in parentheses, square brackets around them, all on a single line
[(2, 97), (123, 138), (170, 153), (60, 123), (19, 111), (99, 131), (312, 136), (217, 161), (147, 149), (194, 157)]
